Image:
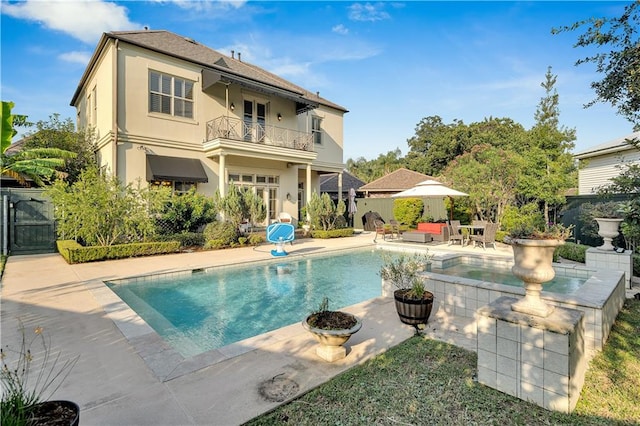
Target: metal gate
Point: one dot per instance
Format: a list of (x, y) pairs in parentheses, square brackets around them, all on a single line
[(31, 227)]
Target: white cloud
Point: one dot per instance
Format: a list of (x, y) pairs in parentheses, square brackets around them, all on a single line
[(368, 12), (84, 20), (206, 5), (76, 57), (340, 29)]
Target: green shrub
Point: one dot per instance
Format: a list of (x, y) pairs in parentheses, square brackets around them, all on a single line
[(215, 244), (323, 212), (636, 265), (243, 240), (186, 212), (500, 235), (572, 251), (187, 239), (226, 232), (333, 233), (408, 210), (256, 239), (73, 252), (525, 217)]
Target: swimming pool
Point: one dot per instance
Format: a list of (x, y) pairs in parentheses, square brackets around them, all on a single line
[(197, 311)]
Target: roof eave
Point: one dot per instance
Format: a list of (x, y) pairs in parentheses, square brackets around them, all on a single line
[(94, 58)]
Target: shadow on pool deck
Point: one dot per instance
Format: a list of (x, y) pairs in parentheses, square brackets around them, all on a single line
[(127, 376)]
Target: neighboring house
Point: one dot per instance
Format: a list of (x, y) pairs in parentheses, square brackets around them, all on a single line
[(174, 112), (393, 183), (597, 165), (331, 183)]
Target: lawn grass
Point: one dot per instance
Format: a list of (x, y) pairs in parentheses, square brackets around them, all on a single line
[(427, 382)]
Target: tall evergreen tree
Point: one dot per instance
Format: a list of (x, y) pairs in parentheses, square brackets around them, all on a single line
[(550, 169)]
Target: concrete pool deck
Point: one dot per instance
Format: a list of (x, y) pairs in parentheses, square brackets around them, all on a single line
[(113, 382)]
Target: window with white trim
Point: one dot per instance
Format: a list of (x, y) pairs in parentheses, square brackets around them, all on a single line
[(170, 95), (316, 130)]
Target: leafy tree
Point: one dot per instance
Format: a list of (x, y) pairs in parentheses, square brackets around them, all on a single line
[(256, 207), (368, 171), (100, 210), (620, 85), (550, 169), (490, 176), (240, 204), (40, 165), (323, 212), (408, 210), (61, 134), (186, 213), (436, 144)]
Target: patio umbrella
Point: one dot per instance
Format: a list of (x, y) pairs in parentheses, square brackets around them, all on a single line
[(431, 189), (352, 204)]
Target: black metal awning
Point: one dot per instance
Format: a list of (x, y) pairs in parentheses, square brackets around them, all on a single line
[(175, 169)]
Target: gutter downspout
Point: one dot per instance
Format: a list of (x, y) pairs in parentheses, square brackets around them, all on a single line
[(114, 110)]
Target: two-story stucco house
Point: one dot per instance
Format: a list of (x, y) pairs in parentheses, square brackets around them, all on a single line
[(171, 111)]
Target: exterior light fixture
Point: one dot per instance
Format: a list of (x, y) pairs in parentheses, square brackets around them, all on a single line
[(232, 107), (279, 117)]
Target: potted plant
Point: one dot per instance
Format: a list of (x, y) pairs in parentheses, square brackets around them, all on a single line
[(533, 257), (28, 380), (608, 217), (331, 329), (413, 303)]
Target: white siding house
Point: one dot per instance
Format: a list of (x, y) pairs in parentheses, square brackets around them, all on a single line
[(597, 165)]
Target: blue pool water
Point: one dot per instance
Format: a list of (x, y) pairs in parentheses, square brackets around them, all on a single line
[(201, 311), (560, 284)]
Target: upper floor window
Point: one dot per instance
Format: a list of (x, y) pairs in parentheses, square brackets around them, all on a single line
[(316, 130), (170, 95)]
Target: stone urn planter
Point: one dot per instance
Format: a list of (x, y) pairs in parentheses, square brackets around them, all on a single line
[(332, 329), (608, 229), (533, 261)]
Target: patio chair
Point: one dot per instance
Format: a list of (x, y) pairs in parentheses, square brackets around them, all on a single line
[(284, 217), (381, 229), (395, 228), (487, 237), (455, 234)]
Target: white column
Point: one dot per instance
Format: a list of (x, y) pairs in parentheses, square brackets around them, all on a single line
[(339, 186), (222, 185), (308, 185)]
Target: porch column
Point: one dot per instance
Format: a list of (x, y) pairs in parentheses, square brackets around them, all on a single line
[(339, 186), (222, 186), (308, 185)]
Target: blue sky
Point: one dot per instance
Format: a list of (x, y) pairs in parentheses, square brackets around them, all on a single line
[(389, 63)]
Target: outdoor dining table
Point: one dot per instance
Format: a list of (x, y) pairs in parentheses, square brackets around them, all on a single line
[(472, 230)]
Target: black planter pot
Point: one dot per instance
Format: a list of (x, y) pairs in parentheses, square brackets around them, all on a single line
[(54, 412), (413, 311)]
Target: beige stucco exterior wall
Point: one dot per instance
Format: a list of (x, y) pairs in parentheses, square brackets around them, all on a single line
[(142, 133)]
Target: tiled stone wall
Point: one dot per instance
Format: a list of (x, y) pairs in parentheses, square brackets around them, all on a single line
[(541, 360), (599, 260)]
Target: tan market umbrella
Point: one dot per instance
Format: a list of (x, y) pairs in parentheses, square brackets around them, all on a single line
[(431, 189)]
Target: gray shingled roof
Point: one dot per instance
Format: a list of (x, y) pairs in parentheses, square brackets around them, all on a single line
[(618, 144), (190, 50), (329, 183), (398, 180)]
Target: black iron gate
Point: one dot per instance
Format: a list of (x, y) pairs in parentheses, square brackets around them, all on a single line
[(31, 225)]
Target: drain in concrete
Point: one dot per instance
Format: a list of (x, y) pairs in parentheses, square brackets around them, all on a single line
[(278, 389)]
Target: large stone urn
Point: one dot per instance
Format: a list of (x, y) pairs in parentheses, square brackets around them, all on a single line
[(533, 261), (608, 229)]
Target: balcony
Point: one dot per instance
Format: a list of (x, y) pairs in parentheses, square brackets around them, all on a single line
[(237, 130)]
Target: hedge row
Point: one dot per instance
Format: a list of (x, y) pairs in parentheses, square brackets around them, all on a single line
[(572, 251), (75, 253), (334, 233)]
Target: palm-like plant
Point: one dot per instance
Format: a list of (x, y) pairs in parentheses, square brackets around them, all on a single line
[(38, 164)]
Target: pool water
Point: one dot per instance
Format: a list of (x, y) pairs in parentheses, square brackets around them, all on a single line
[(200, 311), (560, 284)]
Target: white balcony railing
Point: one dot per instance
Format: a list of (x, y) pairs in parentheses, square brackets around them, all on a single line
[(239, 130)]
